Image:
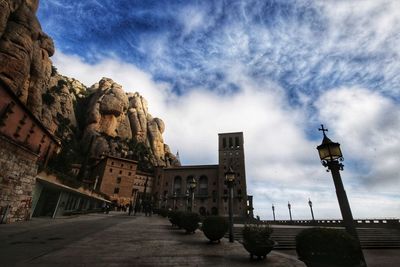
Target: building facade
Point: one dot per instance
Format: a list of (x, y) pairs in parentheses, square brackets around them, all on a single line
[(171, 187), (24, 145)]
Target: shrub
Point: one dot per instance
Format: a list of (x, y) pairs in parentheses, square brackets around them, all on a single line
[(256, 240), (324, 245), (175, 217), (190, 221), (48, 99), (215, 227), (256, 233)]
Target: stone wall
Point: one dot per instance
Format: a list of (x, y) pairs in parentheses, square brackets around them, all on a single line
[(18, 170)]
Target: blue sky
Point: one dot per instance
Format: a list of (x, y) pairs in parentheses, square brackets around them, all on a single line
[(272, 69)]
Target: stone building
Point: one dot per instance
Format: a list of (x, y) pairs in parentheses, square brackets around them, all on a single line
[(24, 144), (120, 180), (211, 194)]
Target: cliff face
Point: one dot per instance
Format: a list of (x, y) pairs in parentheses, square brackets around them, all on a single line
[(24, 52), (116, 121), (115, 118)]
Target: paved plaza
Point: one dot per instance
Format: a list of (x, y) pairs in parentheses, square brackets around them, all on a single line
[(120, 240)]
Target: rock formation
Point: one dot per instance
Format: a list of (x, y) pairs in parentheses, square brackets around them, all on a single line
[(123, 117), (66, 107), (24, 52)]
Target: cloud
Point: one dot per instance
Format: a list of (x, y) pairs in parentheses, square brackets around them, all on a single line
[(273, 70), (367, 124)]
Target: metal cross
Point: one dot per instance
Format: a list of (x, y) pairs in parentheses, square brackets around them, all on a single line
[(322, 129)]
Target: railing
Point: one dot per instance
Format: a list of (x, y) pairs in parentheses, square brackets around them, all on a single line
[(392, 223)]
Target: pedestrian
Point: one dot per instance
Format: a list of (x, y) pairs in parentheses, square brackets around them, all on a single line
[(130, 209)]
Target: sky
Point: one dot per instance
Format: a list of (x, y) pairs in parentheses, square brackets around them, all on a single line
[(272, 69)]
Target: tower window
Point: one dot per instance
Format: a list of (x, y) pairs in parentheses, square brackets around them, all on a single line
[(230, 142), (116, 190), (237, 142), (224, 142), (118, 180)]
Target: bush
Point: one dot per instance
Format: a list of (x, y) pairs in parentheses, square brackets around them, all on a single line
[(190, 221), (256, 240), (175, 217), (324, 245), (163, 212), (48, 99), (256, 233), (215, 227)]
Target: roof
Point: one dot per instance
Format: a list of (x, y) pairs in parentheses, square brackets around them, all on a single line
[(230, 133), (215, 166), (122, 159)]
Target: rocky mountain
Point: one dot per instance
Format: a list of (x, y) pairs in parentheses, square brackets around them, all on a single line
[(114, 122)]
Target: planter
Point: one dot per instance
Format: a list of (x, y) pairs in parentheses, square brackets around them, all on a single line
[(325, 264), (214, 228), (259, 249)]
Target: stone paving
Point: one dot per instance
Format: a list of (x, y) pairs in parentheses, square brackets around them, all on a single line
[(123, 241)]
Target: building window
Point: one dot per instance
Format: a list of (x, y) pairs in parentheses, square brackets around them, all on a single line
[(110, 170), (203, 185), (129, 174), (118, 180), (214, 183), (116, 190), (224, 142), (237, 142), (120, 172), (230, 142), (122, 165), (112, 163), (177, 185)]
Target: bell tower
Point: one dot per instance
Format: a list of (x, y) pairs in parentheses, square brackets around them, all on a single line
[(231, 154)]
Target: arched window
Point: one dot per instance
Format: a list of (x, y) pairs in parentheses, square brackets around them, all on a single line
[(178, 185), (203, 185)]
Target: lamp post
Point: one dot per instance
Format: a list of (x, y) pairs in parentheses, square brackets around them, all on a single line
[(187, 200), (331, 156), (230, 177), (192, 186), (273, 211), (312, 213), (174, 197), (290, 210)]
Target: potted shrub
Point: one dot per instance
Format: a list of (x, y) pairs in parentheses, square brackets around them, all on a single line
[(256, 240), (175, 217), (190, 221), (326, 247), (215, 227)]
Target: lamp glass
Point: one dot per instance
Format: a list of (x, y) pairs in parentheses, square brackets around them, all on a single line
[(230, 176), (330, 151)]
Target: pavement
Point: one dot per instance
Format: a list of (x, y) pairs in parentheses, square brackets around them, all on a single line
[(116, 239)]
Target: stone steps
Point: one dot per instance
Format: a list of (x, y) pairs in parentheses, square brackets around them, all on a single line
[(369, 237)]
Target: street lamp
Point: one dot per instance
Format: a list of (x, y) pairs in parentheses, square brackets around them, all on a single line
[(290, 210), (230, 182), (273, 211), (331, 155), (310, 204), (187, 200), (174, 197), (192, 186)]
